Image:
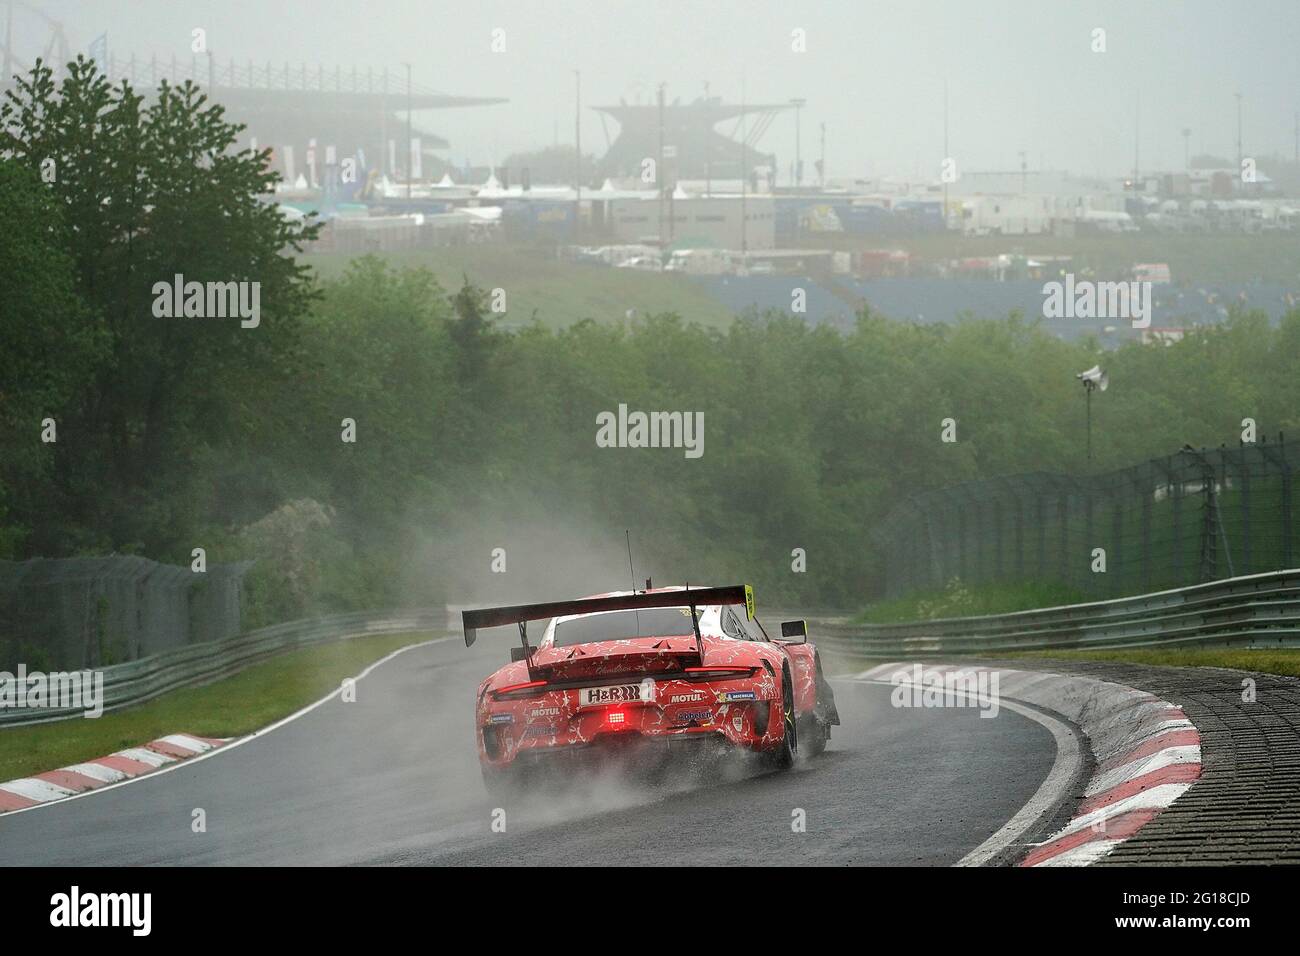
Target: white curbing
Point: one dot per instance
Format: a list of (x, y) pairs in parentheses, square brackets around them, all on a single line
[(186, 742), (143, 754), (28, 792), (36, 789), (97, 771), (1147, 752)]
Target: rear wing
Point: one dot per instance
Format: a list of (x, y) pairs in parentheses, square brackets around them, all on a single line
[(691, 597)]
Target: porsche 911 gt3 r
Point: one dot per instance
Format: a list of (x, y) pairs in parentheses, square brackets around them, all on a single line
[(654, 672)]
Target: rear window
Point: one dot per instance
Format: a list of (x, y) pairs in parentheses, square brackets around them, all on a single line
[(618, 625)]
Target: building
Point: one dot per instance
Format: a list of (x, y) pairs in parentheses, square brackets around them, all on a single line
[(694, 221), (692, 146)]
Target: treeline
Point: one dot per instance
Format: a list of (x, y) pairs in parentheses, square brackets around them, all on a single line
[(376, 442)]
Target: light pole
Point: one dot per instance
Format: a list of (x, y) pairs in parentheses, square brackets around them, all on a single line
[(946, 155), (1239, 156), (577, 155), (821, 171), (744, 176), (1094, 379), (798, 104), (410, 165), (1187, 155), (659, 173)]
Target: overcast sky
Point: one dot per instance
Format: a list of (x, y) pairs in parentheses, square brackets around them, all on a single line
[(1021, 73)]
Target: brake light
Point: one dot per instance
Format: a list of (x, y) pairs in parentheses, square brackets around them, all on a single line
[(514, 689), (722, 671)]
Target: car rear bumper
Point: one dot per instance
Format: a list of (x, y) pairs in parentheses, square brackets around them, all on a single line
[(627, 752)]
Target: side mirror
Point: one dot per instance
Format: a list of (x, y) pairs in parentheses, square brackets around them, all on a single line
[(795, 631), (517, 653)]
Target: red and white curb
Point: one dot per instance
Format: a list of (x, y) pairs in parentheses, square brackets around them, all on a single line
[(133, 762), (1147, 753)]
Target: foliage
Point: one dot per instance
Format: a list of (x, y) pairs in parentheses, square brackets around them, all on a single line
[(149, 189), (177, 433), (47, 342)]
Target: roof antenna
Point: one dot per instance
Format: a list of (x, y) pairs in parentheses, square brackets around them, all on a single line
[(632, 572), (629, 559)]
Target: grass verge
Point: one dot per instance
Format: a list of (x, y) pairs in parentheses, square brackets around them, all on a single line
[(558, 293), (232, 707), (1281, 661), (961, 600)]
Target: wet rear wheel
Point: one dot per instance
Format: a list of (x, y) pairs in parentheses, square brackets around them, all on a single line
[(813, 736), (783, 756)]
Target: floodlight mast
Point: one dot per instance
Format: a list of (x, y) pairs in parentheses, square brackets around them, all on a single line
[(1093, 379), (1087, 391)]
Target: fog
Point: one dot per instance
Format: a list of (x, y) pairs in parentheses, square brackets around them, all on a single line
[(1021, 74)]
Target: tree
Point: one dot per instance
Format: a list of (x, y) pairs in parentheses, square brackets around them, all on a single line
[(48, 345), (150, 191)]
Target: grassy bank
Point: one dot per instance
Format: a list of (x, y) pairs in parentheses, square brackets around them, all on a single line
[(232, 707), (1285, 662), (559, 293), (961, 600)]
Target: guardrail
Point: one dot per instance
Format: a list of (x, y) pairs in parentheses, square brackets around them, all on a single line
[(137, 681), (1258, 611)]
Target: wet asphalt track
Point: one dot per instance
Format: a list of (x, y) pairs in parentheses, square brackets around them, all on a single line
[(393, 779)]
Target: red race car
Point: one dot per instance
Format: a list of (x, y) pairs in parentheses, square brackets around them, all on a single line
[(648, 672)]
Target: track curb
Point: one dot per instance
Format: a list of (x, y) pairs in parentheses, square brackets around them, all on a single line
[(54, 785), (1146, 751)]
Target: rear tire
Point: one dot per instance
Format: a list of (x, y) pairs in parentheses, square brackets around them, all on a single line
[(814, 736), (783, 756)]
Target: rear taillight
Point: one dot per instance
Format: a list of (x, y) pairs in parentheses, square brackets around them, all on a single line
[(526, 689)]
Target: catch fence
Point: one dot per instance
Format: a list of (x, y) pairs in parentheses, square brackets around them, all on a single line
[(1194, 516)]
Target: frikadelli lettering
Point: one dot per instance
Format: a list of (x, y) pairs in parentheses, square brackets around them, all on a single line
[(75, 909)]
